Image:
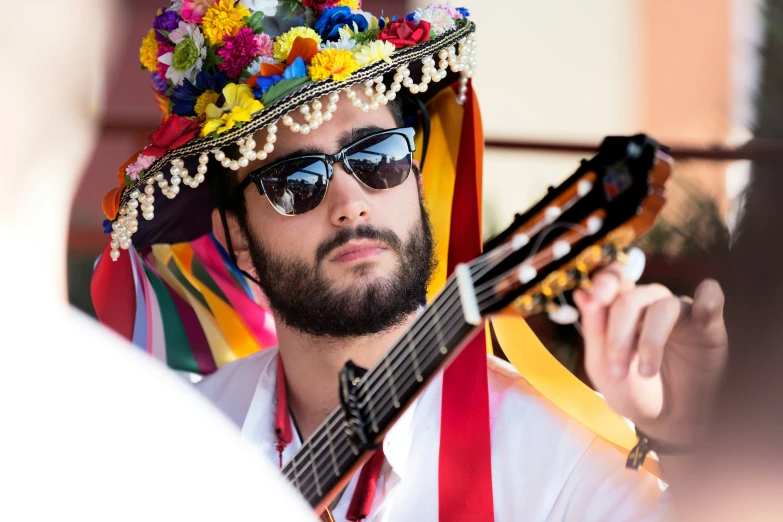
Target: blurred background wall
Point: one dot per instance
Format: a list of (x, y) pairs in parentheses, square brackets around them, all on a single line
[(553, 77)]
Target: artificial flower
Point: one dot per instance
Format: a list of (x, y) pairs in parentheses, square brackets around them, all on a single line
[(163, 49), (337, 64), (222, 19), (159, 83), (206, 98), (238, 52), (111, 203), (239, 106), (261, 84), (319, 5), (372, 22), (285, 41), (188, 56), (463, 11), (403, 33), (165, 21), (440, 20), (162, 103), (193, 11), (185, 97), (268, 7), (333, 18), (148, 54), (142, 163), (453, 12), (174, 132), (346, 44), (255, 67), (265, 45), (354, 5), (374, 52)]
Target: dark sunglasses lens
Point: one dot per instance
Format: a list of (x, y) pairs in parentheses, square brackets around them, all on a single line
[(295, 186), (381, 162)]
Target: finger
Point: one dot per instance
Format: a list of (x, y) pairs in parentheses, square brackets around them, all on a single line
[(660, 318), (708, 301), (610, 281), (624, 321), (593, 321)]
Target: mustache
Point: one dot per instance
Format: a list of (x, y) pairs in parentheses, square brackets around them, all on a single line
[(344, 235)]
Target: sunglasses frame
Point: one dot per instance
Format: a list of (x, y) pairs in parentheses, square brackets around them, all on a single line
[(329, 160)]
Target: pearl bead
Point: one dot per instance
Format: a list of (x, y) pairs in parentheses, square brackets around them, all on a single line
[(365, 107), (251, 155), (133, 223), (356, 102), (374, 106), (308, 117), (164, 184), (414, 88), (115, 255), (334, 97), (317, 105), (149, 189), (444, 64), (395, 87), (200, 177), (175, 180), (226, 162), (317, 115), (287, 120), (174, 190), (158, 176), (368, 91), (391, 95), (203, 159), (314, 125), (133, 213), (368, 83), (407, 82), (176, 171), (134, 230), (296, 127), (114, 244), (304, 130), (242, 150), (241, 141), (398, 78), (150, 181), (351, 94), (272, 129), (220, 155), (380, 88), (134, 194), (262, 155), (383, 100), (177, 162), (148, 216), (423, 87), (114, 235), (328, 116), (443, 54), (270, 147), (243, 162), (201, 169), (233, 165), (304, 109), (406, 72)]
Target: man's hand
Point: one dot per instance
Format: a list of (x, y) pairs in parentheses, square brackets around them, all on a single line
[(656, 358)]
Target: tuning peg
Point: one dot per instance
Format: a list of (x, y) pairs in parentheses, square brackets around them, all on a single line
[(634, 261), (563, 314)]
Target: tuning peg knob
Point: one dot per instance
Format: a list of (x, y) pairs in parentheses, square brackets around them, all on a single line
[(563, 314), (635, 261)]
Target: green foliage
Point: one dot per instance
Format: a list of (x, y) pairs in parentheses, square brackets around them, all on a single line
[(212, 60), (366, 37), (254, 22), (282, 88)]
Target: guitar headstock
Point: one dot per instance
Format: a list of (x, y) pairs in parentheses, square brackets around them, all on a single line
[(588, 221)]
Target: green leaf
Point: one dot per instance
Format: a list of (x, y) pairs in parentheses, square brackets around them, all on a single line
[(164, 33), (282, 88), (254, 22), (366, 37), (213, 59), (129, 182)]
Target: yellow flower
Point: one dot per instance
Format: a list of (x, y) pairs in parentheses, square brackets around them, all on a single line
[(374, 52), (284, 42), (148, 54), (240, 105), (222, 19), (207, 97), (337, 64), (353, 4)]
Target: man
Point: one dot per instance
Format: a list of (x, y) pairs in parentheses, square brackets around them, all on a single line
[(346, 273)]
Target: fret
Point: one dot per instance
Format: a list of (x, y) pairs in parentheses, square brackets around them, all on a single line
[(315, 473), (373, 416), (390, 379), (439, 332), (412, 350), (330, 442), (296, 472)]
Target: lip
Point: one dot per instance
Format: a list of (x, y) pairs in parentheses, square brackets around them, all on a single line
[(357, 251)]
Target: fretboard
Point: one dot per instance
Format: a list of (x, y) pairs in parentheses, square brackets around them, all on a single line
[(385, 390)]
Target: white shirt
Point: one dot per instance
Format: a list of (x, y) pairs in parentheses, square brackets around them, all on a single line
[(545, 466), (94, 430)]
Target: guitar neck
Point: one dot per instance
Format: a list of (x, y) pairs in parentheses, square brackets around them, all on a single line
[(328, 458)]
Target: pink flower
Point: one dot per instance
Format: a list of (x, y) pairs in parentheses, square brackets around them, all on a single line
[(265, 45), (163, 49), (450, 10), (193, 10), (142, 163), (238, 52)]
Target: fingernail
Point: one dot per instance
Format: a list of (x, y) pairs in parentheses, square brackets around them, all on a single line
[(618, 371), (646, 370)]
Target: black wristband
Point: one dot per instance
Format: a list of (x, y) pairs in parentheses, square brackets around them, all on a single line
[(645, 445)]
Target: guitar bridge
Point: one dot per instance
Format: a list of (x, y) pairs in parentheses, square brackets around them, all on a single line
[(356, 418)]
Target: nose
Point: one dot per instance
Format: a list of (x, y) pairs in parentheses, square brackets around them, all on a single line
[(347, 199)]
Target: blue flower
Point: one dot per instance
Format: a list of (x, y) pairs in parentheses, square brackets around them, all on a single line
[(334, 18), (463, 11), (185, 95), (297, 69), (159, 84), (107, 226)]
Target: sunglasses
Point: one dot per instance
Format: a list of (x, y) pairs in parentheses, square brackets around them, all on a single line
[(380, 161)]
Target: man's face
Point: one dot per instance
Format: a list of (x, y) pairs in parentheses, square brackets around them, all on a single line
[(359, 262)]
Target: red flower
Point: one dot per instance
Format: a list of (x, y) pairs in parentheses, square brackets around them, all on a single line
[(319, 5), (173, 133), (403, 33)]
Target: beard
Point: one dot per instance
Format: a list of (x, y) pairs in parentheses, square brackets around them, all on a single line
[(303, 298)]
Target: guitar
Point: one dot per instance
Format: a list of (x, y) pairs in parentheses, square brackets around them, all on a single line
[(586, 222)]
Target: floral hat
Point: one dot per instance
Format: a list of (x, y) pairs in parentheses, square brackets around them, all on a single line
[(228, 72)]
